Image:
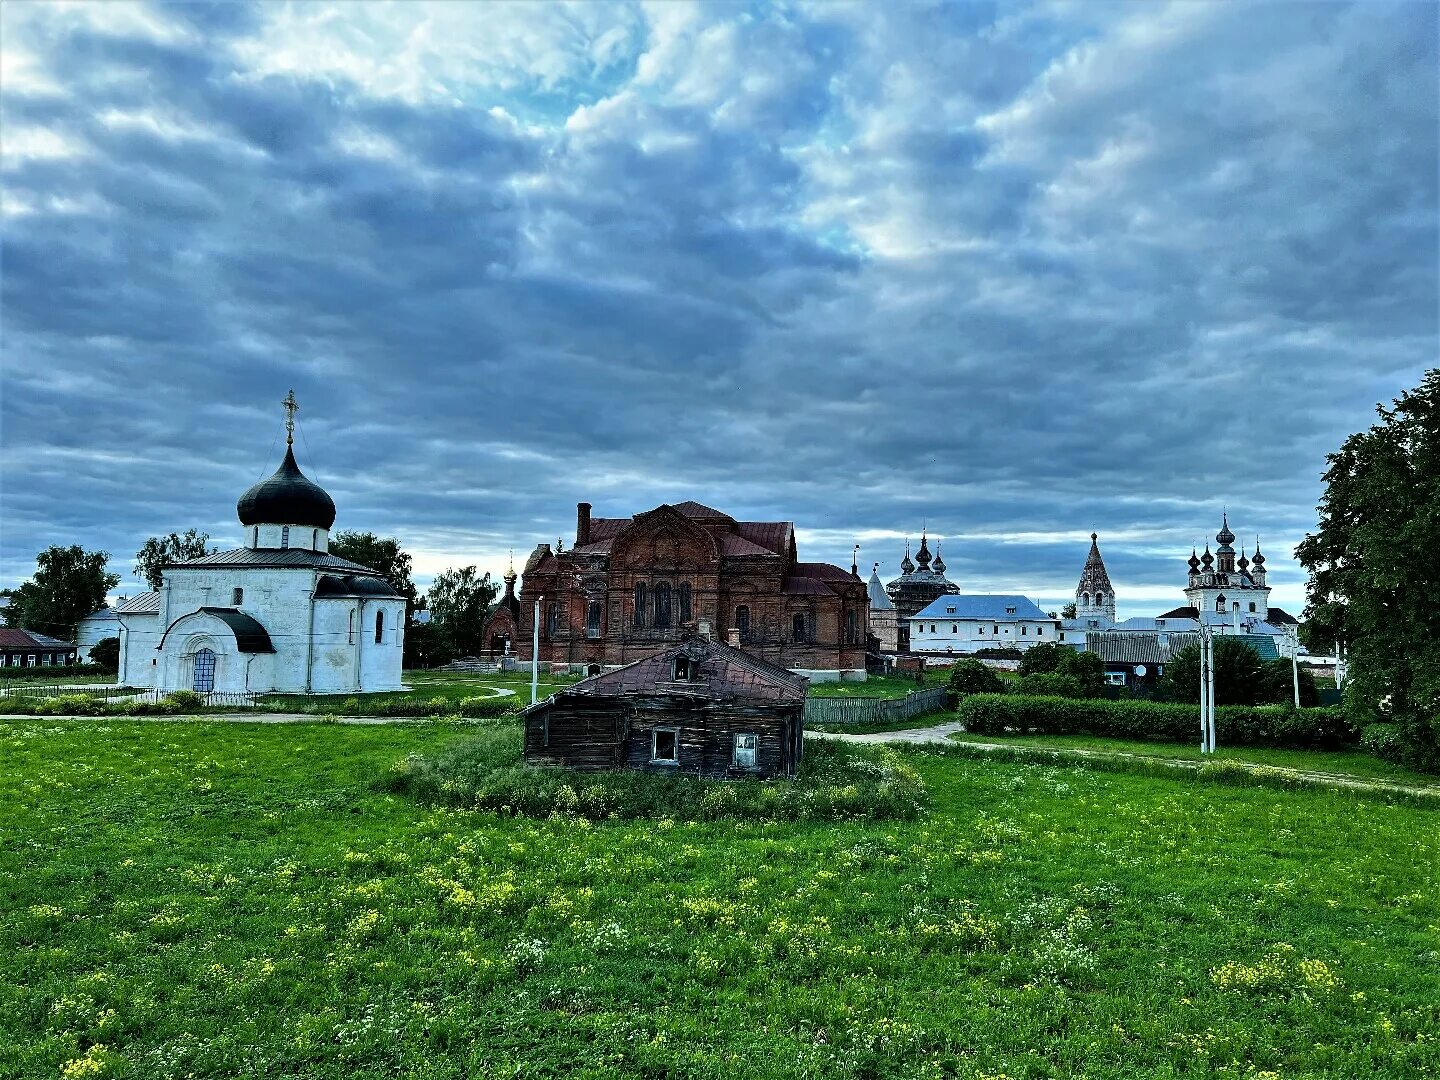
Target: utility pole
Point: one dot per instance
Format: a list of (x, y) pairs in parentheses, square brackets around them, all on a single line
[(1295, 663), (1204, 684), (535, 655)]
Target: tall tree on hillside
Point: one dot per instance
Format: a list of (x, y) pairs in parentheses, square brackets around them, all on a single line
[(1375, 571), (381, 554), (459, 601), (69, 583), (160, 551)]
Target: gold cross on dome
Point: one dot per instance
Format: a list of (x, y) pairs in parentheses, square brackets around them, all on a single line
[(291, 408)]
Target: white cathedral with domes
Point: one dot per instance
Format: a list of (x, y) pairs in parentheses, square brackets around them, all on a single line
[(279, 614)]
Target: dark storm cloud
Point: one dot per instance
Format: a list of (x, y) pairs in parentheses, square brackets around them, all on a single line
[(1014, 273)]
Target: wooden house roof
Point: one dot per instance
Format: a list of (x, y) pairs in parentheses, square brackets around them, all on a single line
[(720, 673)]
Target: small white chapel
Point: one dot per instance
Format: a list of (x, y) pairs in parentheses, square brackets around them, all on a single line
[(279, 614)]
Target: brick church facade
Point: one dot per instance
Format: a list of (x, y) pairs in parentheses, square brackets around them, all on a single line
[(630, 587)]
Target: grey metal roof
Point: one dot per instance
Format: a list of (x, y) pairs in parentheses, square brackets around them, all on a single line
[(350, 585), (145, 603), (275, 558), (879, 600), (994, 608)]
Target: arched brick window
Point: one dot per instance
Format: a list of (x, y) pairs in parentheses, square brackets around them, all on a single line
[(742, 622), (379, 626), (686, 614), (662, 606), (639, 605)]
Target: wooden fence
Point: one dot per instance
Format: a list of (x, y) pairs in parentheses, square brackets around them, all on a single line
[(873, 710)]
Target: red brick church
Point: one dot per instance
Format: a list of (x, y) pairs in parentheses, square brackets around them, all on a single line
[(629, 587)]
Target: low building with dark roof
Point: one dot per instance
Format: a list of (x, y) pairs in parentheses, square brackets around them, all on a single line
[(25, 648), (629, 587), (277, 614), (696, 708)]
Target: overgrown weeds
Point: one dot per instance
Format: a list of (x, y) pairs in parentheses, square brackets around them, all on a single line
[(837, 782)]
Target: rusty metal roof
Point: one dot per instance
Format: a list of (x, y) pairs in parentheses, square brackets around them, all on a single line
[(721, 674)]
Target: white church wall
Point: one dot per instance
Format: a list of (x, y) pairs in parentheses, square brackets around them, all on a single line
[(138, 638), (304, 537)]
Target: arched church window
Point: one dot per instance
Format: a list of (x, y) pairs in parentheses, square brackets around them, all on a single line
[(1084, 599), (685, 606), (284, 536), (379, 626), (237, 597), (639, 605), (350, 629), (742, 621), (662, 606), (255, 536), (797, 626), (592, 619), (1099, 598), (1220, 604), (552, 620), (314, 539)]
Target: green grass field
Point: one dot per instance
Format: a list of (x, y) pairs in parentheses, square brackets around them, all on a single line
[(210, 900), (1354, 763), (878, 686)]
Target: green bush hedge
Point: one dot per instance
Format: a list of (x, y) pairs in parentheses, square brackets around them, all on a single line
[(1239, 725), (470, 707), (82, 704), (53, 674)]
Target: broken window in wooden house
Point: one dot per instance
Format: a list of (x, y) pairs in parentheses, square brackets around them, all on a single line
[(665, 746), (747, 746)]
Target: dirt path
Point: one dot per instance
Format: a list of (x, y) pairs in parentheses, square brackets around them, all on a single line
[(940, 735)]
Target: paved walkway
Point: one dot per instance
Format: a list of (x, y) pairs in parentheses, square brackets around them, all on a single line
[(940, 735)]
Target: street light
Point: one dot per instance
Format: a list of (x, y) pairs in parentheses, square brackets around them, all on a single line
[(535, 654)]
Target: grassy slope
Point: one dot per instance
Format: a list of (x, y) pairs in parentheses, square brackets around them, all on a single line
[(1344, 762), (234, 901)]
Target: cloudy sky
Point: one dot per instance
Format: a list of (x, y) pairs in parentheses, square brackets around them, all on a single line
[(1011, 272)]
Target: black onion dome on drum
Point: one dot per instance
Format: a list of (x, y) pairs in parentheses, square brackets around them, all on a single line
[(287, 498)]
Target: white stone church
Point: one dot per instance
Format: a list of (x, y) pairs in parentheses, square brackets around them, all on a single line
[(279, 614)]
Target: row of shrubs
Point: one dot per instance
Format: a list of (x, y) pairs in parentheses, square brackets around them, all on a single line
[(181, 701), (470, 707), (51, 674), (837, 782), (1238, 725)]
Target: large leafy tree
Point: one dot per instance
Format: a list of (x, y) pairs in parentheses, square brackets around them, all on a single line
[(1239, 675), (159, 552), (459, 600), (1277, 684), (1051, 658), (1374, 564), (382, 554), (69, 583)]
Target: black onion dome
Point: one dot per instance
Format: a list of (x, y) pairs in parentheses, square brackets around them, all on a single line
[(1207, 558), (287, 498), (1225, 537), (1194, 560)]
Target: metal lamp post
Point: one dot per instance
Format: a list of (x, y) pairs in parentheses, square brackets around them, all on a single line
[(535, 654)]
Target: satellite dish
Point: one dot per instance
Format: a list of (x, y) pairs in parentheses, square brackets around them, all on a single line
[(1140, 670)]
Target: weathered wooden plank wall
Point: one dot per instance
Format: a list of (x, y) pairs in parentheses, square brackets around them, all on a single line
[(858, 710)]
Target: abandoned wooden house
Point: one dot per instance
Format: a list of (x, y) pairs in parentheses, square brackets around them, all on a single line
[(699, 708)]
